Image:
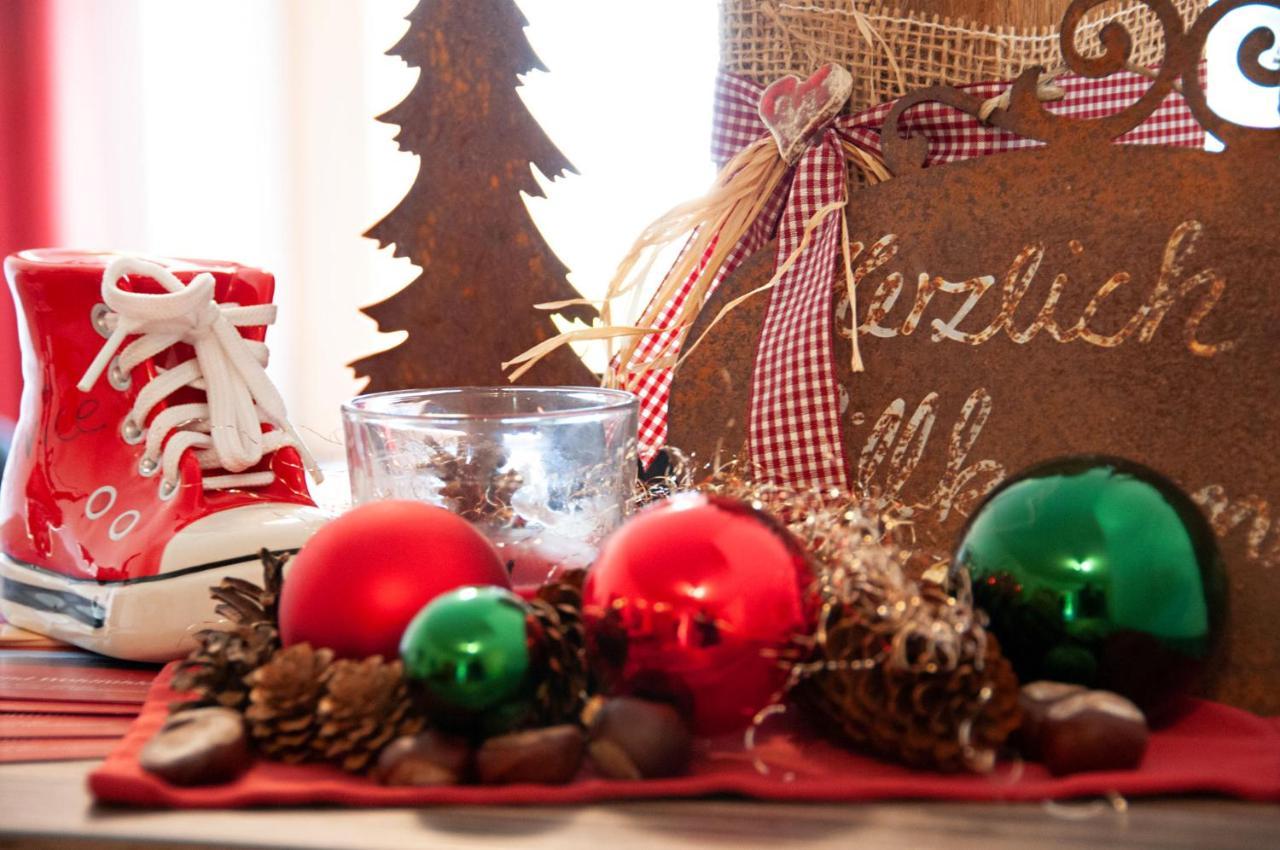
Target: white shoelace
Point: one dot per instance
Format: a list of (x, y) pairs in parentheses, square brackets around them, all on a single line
[(225, 431)]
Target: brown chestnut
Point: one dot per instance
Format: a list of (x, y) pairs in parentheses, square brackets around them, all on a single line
[(1095, 730), (1034, 699), (429, 758), (200, 746), (631, 738), (548, 756)]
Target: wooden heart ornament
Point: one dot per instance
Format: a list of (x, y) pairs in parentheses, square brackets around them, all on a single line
[(793, 109)]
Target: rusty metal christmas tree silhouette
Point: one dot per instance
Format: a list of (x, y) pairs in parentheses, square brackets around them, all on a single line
[(484, 263)]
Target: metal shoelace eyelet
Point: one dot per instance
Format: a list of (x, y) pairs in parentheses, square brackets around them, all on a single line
[(168, 489), (130, 432), (98, 315), (117, 377), (148, 467)]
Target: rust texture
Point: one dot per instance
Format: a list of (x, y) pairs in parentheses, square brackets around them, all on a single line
[(1073, 298), (711, 393), (463, 223)]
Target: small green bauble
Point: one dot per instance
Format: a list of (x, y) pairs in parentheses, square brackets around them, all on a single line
[(467, 649), (1098, 571)]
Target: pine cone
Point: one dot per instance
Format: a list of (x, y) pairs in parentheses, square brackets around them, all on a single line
[(245, 603), (556, 621), (923, 716), (366, 706), (283, 697), (473, 484), (216, 669)]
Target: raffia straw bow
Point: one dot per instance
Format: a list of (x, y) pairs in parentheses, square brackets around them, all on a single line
[(711, 227), (711, 224)]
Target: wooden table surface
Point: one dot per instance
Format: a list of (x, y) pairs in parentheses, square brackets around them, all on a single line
[(47, 806)]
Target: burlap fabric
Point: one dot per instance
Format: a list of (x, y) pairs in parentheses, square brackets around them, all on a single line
[(890, 51)]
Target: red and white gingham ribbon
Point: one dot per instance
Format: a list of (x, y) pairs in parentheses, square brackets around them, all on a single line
[(794, 427)]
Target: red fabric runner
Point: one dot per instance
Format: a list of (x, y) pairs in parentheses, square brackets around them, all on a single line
[(1212, 748)]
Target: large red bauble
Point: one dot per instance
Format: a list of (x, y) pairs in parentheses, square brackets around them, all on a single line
[(359, 580), (692, 600)]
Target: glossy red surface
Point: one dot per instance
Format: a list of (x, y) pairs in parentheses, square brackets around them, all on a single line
[(692, 600), (68, 444), (360, 579)]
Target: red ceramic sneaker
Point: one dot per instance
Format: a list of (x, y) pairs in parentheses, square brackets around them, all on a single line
[(152, 456)]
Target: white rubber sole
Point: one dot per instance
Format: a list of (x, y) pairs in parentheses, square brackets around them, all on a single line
[(148, 619)]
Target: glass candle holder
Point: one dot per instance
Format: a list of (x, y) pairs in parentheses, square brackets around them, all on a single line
[(545, 472)]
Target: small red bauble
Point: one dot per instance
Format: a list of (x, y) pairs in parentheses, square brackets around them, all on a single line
[(692, 601), (360, 579)]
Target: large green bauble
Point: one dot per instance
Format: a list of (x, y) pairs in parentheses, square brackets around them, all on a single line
[(467, 649), (1099, 571)]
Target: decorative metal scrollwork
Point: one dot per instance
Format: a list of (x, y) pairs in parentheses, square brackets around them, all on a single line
[(1248, 59), (1028, 117)]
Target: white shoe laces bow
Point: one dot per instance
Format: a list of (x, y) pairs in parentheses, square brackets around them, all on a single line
[(225, 431)]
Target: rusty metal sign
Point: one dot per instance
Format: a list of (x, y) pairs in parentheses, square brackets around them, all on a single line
[(1076, 297)]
